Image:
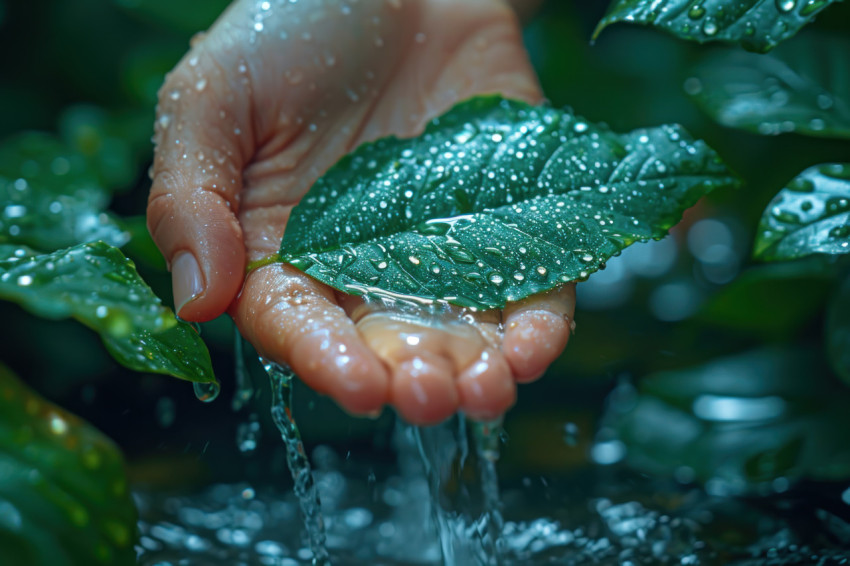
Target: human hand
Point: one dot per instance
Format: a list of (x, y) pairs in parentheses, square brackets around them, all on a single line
[(260, 107)]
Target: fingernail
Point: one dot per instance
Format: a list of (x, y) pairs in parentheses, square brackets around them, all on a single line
[(186, 279)]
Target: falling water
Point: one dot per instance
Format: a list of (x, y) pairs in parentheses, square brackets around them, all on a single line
[(299, 466), (487, 438), (244, 386), (437, 464)]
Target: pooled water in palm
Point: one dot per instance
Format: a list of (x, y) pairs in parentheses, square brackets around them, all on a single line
[(296, 458)]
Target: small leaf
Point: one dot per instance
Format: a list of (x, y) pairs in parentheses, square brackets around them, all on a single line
[(64, 499), (838, 331), (51, 196), (810, 216), (177, 351), (93, 283), (98, 286), (495, 201), (802, 87), (758, 25)]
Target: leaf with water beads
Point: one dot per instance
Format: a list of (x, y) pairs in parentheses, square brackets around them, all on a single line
[(98, 286), (801, 87), (811, 215), (497, 200), (64, 498), (758, 25)]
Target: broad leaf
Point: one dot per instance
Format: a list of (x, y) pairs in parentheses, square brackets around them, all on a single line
[(802, 87), (98, 286), (738, 423), (758, 25), (810, 216), (495, 201), (838, 331), (51, 196), (64, 499)]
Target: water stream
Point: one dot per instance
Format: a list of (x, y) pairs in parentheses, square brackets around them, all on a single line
[(487, 437), (299, 465)]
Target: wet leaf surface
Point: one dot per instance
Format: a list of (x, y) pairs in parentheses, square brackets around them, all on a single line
[(64, 499), (738, 424), (811, 215), (51, 196), (496, 201), (758, 25), (98, 286), (801, 87)]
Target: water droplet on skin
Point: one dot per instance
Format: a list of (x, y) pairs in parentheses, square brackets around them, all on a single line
[(420, 38), (174, 94), (201, 84)]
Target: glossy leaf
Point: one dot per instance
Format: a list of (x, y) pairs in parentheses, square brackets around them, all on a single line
[(802, 87), (51, 196), (739, 423), (177, 351), (98, 286), (64, 499), (838, 331), (496, 201), (811, 215), (758, 25)]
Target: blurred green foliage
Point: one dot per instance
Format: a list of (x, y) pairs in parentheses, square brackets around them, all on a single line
[(86, 78)]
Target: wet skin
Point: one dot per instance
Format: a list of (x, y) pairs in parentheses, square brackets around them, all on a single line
[(259, 108)]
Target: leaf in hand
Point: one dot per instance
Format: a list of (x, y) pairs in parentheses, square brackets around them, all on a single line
[(64, 499), (497, 200), (98, 286), (52, 197), (801, 87), (809, 216), (758, 25)]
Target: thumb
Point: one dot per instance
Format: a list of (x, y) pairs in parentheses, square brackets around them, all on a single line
[(201, 147)]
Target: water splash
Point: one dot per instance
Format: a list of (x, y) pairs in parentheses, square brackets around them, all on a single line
[(299, 466)]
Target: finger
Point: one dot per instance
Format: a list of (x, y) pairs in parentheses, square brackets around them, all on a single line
[(292, 319), (486, 387), (537, 330), (201, 147)]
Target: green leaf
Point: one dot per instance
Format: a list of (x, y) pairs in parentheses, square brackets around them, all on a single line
[(758, 25), (495, 201), (738, 423), (802, 87), (811, 215), (64, 498), (98, 286), (177, 351), (52, 197), (838, 331)]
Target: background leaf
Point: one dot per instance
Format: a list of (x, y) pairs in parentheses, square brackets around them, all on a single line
[(52, 196), (838, 331), (802, 87), (98, 286), (810, 216), (738, 423), (64, 499), (758, 25), (496, 201)]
